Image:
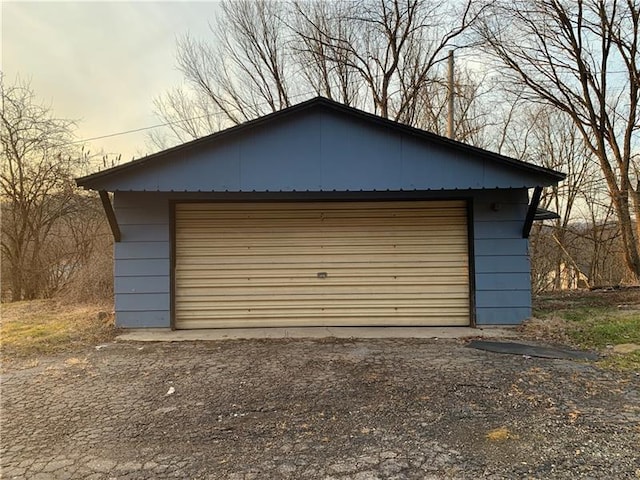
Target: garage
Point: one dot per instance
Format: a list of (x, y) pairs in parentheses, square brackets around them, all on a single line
[(321, 215), (284, 264)]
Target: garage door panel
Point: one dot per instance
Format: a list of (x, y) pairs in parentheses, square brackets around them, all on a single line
[(322, 320), (277, 309), (306, 271), (415, 251), (333, 224), (436, 208), (435, 284), (340, 236), (414, 273), (211, 316), (314, 264), (419, 223), (386, 263), (446, 228), (350, 290), (329, 300), (372, 242), (284, 262)]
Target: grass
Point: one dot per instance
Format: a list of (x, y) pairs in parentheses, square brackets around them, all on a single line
[(602, 329), (42, 327), (591, 322), (586, 320)]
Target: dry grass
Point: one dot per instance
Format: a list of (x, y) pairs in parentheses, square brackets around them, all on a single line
[(590, 320), (41, 327), (500, 435)]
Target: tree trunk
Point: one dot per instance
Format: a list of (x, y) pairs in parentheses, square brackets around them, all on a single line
[(629, 235)]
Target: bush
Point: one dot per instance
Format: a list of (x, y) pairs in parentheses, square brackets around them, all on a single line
[(92, 281)]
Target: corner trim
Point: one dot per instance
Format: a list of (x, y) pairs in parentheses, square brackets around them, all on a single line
[(471, 263), (172, 264), (111, 215)]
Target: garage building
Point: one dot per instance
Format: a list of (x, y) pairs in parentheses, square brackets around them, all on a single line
[(321, 215)]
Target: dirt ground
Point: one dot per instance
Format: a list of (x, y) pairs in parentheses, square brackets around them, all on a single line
[(326, 409), (568, 299)]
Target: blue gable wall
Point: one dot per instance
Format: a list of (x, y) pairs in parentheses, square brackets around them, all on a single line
[(321, 150)]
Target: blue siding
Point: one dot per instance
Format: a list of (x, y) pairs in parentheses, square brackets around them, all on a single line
[(145, 233), (142, 281), (493, 229), (502, 267), (503, 315), (274, 163), (136, 250), (142, 302), (320, 151), (348, 151), (493, 298), (504, 282), (152, 284), (134, 215), (499, 263), (507, 246), (150, 319), (142, 265)]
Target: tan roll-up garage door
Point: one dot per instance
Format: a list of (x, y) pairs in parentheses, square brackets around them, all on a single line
[(320, 264)]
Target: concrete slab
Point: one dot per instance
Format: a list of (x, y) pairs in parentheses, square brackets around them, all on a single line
[(168, 335)]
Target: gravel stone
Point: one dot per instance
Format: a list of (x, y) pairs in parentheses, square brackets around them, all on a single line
[(316, 409)]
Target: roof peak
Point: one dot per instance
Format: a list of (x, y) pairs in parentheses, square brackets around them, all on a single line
[(332, 105)]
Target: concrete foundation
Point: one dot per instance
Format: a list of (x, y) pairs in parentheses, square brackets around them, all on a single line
[(168, 335)]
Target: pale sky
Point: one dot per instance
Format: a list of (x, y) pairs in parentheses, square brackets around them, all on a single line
[(100, 63)]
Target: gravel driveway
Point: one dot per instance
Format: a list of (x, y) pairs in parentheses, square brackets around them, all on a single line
[(363, 409)]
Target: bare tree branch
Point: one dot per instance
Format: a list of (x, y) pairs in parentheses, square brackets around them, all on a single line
[(573, 56)]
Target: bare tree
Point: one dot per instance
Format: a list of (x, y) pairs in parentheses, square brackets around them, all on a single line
[(326, 68), (599, 237), (188, 114), (81, 249), (581, 57), (473, 114), (546, 137), (394, 46), (36, 187), (377, 55), (244, 73)]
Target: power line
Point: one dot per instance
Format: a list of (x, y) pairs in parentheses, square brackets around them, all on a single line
[(474, 58), (234, 110), (175, 122)]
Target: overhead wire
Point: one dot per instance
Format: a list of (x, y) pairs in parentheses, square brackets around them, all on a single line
[(235, 110)]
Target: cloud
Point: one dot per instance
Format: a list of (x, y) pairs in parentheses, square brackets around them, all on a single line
[(101, 63)]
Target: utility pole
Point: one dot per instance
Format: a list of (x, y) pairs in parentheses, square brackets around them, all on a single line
[(450, 133)]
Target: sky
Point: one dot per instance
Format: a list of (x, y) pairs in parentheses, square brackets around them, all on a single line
[(100, 63)]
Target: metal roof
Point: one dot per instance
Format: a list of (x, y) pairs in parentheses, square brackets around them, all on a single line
[(544, 214)]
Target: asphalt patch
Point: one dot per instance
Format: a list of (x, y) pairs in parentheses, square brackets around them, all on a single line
[(531, 350)]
